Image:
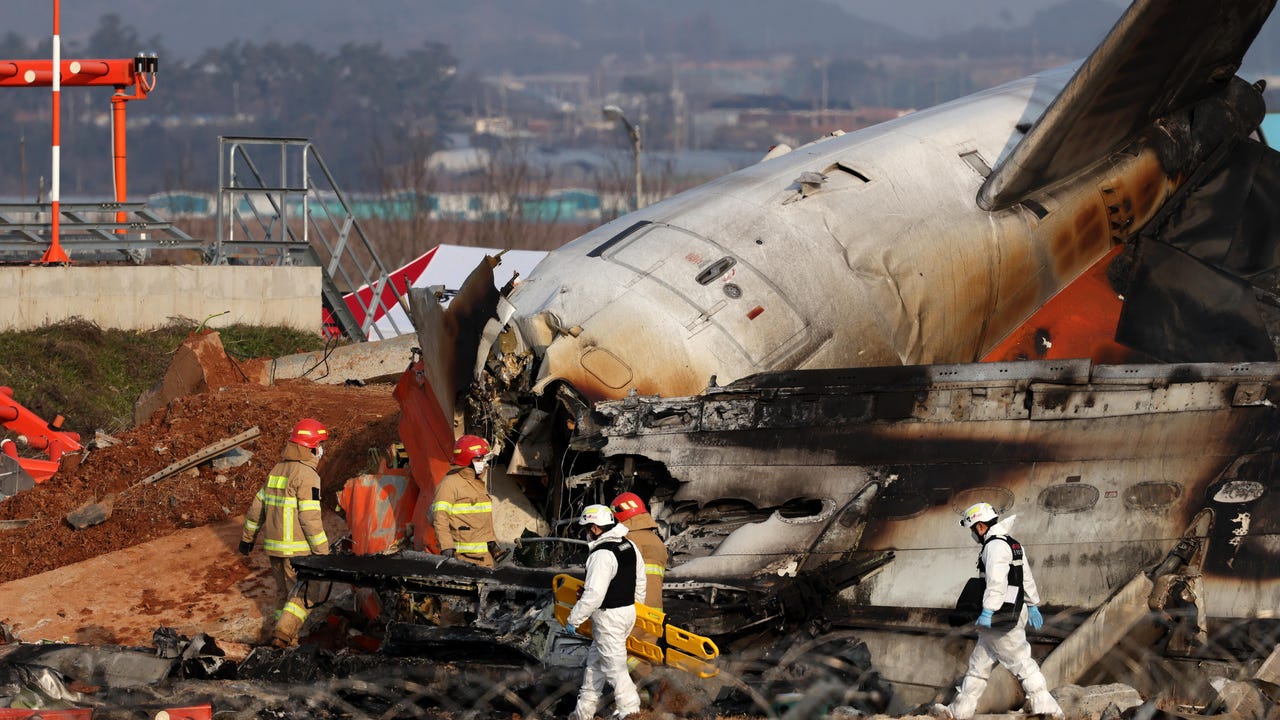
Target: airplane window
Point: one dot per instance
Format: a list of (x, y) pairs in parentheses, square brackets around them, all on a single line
[(715, 270), (1239, 491), (975, 161), (899, 504), (1000, 498), (602, 247), (1066, 498), (1152, 495), (1035, 207), (850, 170), (801, 507)]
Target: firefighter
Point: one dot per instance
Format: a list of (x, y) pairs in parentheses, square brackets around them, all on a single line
[(629, 510), (1004, 569), (287, 512), (615, 582), (462, 512)]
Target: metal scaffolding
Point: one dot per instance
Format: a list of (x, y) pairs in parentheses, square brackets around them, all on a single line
[(279, 204)]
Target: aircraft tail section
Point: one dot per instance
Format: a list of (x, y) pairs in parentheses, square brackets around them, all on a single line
[(1161, 56), (1187, 280)]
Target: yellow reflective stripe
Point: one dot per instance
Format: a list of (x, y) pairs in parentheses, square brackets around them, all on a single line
[(288, 546), (261, 496), (277, 482), (295, 610), (251, 526), (471, 547), (632, 662), (278, 501), (461, 508), (318, 538), (651, 569), (305, 505)]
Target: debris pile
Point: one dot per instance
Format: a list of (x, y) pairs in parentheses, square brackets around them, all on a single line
[(358, 418)]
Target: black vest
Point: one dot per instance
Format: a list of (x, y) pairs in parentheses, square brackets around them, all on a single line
[(622, 587), (1015, 567), (969, 603)]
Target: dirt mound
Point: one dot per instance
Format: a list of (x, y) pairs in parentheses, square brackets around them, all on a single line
[(360, 419)]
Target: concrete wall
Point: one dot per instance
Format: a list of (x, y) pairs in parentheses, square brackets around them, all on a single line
[(140, 298)]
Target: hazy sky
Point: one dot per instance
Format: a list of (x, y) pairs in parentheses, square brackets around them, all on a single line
[(920, 17), (931, 18), (926, 18)]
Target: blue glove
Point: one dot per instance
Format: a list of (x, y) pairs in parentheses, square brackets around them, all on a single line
[(1034, 618), (984, 620)]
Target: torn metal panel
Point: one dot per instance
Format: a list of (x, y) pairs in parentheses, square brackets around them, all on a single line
[(111, 666), (33, 686)]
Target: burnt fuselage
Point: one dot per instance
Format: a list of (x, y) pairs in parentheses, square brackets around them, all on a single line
[(1105, 467)]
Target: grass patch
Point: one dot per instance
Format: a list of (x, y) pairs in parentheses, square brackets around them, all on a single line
[(92, 376)]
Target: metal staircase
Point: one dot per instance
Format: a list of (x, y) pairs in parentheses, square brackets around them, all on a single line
[(278, 204)]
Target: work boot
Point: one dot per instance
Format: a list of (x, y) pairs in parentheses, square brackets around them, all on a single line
[(1045, 705)]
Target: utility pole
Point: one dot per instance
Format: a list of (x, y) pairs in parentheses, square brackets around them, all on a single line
[(613, 112), (22, 166)]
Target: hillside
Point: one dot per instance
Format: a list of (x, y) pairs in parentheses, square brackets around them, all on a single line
[(574, 35)]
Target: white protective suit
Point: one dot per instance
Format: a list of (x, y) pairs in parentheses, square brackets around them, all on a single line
[(607, 658), (1010, 647)]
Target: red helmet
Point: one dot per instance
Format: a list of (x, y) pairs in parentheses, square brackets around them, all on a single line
[(627, 505), (468, 448), (309, 433)]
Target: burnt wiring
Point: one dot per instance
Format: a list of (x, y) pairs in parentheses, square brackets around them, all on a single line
[(330, 344)]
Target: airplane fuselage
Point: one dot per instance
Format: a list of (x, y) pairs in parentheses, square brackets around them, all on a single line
[(863, 249)]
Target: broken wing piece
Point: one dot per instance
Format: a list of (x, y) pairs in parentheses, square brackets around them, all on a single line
[(427, 435), (428, 390), (449, 338), (1136, 76)]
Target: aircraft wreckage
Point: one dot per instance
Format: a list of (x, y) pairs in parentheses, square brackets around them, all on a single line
[(1044, 296)]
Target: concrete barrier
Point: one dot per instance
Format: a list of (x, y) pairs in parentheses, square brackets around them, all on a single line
[(145, 297), (368, 361)]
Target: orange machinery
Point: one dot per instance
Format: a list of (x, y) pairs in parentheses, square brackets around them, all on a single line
[(33, 432)]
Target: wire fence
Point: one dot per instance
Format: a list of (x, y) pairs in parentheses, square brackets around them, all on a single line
[(795, 676)]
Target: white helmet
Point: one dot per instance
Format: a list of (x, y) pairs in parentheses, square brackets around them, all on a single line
[(980, 512), (599, 515)]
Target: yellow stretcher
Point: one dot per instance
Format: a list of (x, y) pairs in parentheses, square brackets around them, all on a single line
[(652, 639)]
